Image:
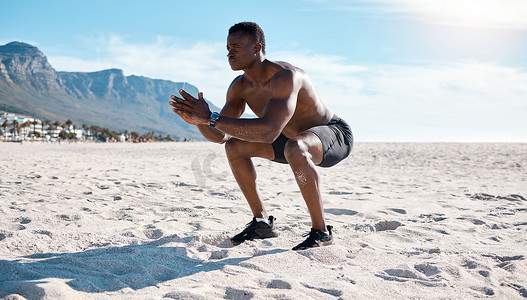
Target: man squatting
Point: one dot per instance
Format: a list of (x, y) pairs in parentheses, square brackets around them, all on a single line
[(293, 126)]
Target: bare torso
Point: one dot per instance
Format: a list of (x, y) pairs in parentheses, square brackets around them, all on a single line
[(309, 111)]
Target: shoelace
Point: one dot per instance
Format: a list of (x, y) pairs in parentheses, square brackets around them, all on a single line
[(250, 223), (311, 234), (312, 238)]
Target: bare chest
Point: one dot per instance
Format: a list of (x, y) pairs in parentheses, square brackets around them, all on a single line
[(257, 99)]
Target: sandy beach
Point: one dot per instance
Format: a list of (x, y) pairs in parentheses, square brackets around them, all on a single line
[(153, 221)]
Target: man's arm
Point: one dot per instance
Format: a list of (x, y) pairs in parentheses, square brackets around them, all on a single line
[(276, 114), (234, 108)]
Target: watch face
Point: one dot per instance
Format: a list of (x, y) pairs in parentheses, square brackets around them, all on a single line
[(213, 118)]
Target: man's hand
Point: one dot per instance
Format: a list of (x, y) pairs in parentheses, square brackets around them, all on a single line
[(191, 110)]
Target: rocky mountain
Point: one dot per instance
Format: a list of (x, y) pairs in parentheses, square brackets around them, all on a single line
[(29, 85)]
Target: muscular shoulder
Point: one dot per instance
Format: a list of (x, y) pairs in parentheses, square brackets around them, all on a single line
[(290, 67), (236, 83), (235, 89), (288, 77)]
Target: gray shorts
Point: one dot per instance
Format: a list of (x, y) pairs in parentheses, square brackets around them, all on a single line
[(336, 138)]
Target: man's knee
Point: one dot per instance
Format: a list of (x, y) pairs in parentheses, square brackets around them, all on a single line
[(232, 147), (296, 151)]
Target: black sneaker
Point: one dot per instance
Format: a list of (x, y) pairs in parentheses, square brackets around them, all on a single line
[(256, 230), (316, 238)]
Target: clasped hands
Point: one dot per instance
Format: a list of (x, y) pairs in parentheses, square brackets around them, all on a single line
[(191, 110)]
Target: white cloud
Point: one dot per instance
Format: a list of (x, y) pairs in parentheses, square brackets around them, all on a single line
[(74, 64), (510, 14), (456, 102), (462, 101)]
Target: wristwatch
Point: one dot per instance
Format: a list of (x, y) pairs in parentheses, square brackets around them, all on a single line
[(214, 117)]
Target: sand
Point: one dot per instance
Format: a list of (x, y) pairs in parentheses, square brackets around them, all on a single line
[(153, 221)]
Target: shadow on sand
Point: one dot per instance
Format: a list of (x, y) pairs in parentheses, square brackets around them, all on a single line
[(110, 269)]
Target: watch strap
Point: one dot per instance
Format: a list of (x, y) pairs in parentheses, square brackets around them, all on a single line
[(213, 119)]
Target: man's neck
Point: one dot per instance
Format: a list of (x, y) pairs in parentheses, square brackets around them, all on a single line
[(257, 72)]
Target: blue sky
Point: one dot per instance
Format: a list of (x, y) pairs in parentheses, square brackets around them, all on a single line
[(399, 70)]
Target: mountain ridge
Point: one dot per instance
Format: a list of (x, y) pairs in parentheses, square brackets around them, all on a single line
[(31, 86)]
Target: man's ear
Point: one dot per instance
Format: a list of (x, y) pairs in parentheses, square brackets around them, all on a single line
[(257, 47)]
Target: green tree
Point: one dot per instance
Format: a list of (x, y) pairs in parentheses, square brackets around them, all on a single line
[(15, 130), (63, 134), (43, 123), (67, 124), (56, 125), (26, 124), (5, 125), (34, 123)]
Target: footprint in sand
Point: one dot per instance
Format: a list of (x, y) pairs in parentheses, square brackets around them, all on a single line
[(470, 264), (232, 293), (508, 262), (44, 232), (15, 227), (153, 233), (4, 235), (17, 208), (427, 269), (488, 197), (183, 295), (398, 210), (339, 193), (340, 211), (278, 284), (69, 218), (519, 288), (484, 290), (403, 275), (387, 225), (23, 220), (219, 194), (332, 292), (474, 221), (433, 217)]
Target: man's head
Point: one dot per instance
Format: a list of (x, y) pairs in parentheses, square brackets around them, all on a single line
[(252, 30), (246, 45)]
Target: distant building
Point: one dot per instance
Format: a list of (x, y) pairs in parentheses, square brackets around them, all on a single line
[(28, 128)]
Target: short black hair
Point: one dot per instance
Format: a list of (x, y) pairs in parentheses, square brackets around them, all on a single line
[(255, 33)]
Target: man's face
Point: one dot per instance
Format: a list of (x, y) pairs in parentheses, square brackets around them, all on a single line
[(242, 51)]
